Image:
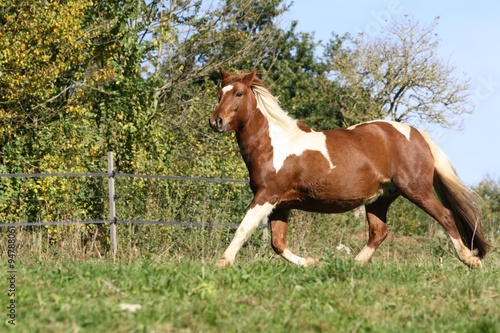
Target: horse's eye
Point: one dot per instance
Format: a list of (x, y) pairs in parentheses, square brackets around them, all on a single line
[(239, 94)]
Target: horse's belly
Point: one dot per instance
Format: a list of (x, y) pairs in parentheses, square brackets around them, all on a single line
[(339, 199), (338, 206), (326, 203)]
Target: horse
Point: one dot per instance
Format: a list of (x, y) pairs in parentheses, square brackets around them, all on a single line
[(292, 166)]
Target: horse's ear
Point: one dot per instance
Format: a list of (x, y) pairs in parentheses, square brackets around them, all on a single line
[(248, 78), (224, 74)]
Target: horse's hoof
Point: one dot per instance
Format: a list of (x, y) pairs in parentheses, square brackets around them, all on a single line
[(223, 263), (475, 262), (310, 262), (361, 261)]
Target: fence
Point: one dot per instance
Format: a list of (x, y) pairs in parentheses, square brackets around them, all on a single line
[(113, 219)]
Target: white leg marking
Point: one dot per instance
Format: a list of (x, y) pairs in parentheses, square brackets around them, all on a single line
[(299, 261), (247, 226), (226, 89), (402, 128), (365, 255), (459, 246), (467, 256)]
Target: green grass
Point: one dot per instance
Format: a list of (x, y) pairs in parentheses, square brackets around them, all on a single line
[(403, 289)]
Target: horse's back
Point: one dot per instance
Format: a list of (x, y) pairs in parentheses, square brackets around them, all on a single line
[(387, 150)]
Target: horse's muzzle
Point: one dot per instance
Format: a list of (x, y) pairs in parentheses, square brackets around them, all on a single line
[(217, 124)]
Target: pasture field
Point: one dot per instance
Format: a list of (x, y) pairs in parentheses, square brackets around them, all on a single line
[(404, 289)]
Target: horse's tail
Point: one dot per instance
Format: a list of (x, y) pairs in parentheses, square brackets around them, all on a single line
[(459, 199)]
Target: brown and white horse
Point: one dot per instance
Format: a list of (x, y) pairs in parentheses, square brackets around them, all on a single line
[(294, 167)]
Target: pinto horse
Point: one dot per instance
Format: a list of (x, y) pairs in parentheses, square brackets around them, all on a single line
[(292, 166)]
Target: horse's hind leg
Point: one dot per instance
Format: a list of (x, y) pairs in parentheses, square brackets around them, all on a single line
[(376, 214), (279, 225), (443, 215)]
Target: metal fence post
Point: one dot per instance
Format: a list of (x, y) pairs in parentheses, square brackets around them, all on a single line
[(112, 209)]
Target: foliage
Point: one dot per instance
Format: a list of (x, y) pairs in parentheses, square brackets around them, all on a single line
[(489, 191), (405, 218), (80, 78), (301, 81)]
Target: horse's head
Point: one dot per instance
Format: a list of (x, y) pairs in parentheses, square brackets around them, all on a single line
[(236, 102)]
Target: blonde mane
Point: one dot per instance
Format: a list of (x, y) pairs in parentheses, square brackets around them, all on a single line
[(269, 106)]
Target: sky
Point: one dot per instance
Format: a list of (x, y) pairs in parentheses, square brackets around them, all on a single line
[(469, 34)]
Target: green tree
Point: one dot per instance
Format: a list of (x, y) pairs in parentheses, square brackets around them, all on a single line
[(80, 78), (301, 81), (489, 190), (185, 64), (71, 89)]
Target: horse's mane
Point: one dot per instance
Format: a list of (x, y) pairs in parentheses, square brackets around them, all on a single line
[(269, 106), (266, 103)]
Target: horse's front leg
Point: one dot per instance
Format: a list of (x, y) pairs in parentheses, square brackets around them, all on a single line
[(279, 226), (252, 218)]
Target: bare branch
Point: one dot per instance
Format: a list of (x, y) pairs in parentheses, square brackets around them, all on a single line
[(404, 76)]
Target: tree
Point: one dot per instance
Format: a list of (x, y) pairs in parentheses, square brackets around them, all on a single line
[(189, 48), (139, 78), (192, 42), (62, 65), (70, 90), (489, 191), (398, 75), (301, 81)]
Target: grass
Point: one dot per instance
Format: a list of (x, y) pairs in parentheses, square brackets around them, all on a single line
[(403, 289)]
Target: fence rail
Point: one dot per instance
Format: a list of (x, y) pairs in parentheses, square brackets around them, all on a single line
[(56, 174), (113, 219)]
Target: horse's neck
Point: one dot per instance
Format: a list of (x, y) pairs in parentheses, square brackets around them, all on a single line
[(254, 141)]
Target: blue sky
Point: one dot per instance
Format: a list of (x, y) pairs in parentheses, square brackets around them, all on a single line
[(469, 34)]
